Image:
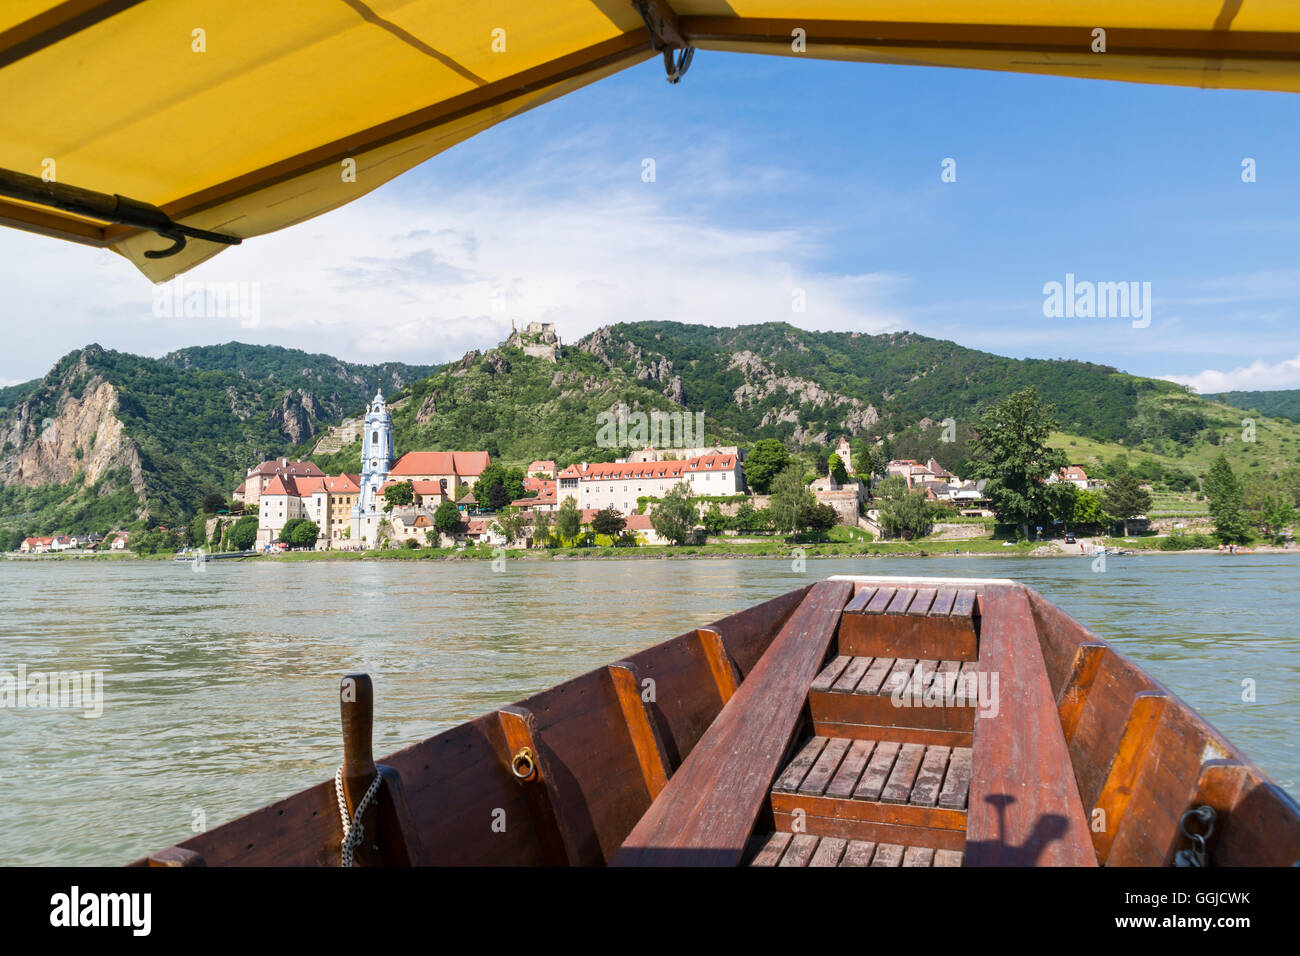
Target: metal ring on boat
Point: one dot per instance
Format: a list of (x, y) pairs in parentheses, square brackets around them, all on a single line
[(522, 764)]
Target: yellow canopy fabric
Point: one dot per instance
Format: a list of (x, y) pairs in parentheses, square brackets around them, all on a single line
[(245, 116)]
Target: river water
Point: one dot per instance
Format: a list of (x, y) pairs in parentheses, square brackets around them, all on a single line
[(220, 687)]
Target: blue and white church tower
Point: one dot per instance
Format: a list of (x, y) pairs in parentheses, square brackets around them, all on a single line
[(376, 460)]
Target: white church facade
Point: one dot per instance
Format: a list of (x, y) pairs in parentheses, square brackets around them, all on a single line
[(376, 462)]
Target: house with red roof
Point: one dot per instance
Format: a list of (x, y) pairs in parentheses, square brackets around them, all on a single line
[(326, 500), (1076, 476), (619, 484), (446, 469), (258, 479)]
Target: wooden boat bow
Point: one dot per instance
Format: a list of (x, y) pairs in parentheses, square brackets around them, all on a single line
[(877, 721)]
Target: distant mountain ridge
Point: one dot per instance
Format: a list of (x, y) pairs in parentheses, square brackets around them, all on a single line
[(107, 436), (1282, 403)]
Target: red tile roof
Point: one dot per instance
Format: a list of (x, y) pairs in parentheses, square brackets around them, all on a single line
[(712, 463), (281, 485), (606, 471), (284, 466), (466, 464), (304, 486)]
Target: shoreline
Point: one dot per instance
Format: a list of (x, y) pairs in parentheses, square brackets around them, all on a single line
[(821, 550)]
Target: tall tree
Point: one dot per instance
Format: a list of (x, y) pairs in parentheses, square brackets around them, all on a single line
[(674, 515), (1226, 495), (1010, 450), (790, 499), (835, 468), (447, 518), (766, 459), (906, 516), (568, 521), (1125, 498), (869, 461), (542, 529)]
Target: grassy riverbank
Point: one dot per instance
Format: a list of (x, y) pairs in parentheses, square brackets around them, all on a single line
[(965, 548)]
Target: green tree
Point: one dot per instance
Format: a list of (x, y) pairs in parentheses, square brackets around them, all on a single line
[(398, 494), (837, 471), (1124, 498), (906, 516), (790, 499), (869, 461), (751, 520), (243, 533), (542, 529), (1223, 488), (715, 522), (1276, 515), (510, 522), (608, 521), (498, 485), (568, 521), (674, 515), (300, 533), (199, 529), (1087, 511), (1010, 450), (895, 486), (215, 501), (447, 519), (766, 460), (431, 537), (818, 519)]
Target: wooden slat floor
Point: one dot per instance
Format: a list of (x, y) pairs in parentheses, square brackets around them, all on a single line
[(884, 676), (804, 849), (879, 772)]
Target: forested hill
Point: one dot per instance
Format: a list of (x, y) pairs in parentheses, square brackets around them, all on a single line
[(108, 436)]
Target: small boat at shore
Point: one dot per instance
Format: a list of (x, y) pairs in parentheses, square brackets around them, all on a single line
[(857, 721)]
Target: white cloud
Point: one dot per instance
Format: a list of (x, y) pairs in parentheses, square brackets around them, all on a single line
[(425, 277), (1259, 375)]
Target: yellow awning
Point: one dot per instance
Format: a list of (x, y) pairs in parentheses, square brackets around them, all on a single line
[(241, 117)]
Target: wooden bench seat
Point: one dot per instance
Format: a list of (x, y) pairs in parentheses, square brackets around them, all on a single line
[(925, 622), (856, 697), (804, 849), (875, 790)]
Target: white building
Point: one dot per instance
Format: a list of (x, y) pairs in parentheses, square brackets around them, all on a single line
[(619, 484)]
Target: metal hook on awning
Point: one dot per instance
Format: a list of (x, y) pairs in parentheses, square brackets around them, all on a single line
[(666, 35), (107, 207)]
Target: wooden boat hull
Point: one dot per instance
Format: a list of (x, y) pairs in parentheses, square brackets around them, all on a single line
[(700, 750)]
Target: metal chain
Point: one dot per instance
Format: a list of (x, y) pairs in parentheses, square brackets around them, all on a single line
[(353, 832), (1197, 854)]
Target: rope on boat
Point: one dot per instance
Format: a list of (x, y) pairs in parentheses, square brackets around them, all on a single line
[(353, 831)]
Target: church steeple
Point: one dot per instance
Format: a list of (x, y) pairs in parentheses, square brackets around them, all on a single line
[(376, 455)]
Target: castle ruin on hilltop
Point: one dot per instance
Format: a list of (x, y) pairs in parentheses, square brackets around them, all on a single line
[(538, 339)]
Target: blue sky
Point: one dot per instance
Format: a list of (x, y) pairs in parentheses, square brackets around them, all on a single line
[(776, 174)]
